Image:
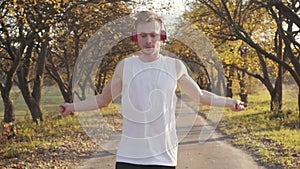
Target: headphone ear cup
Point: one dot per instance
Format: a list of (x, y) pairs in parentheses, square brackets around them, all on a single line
[(134, 37), (163, 36)]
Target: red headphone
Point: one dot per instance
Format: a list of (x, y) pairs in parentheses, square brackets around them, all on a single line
[(163, 36)]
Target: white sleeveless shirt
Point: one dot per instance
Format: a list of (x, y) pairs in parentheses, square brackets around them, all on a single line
[(148, 109)]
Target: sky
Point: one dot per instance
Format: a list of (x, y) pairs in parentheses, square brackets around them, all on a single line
[(168, 7)]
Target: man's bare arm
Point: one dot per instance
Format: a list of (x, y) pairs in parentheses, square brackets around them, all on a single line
[(110, 91), (188, 86)]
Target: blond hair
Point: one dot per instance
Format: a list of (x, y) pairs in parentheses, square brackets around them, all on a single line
[(147, 16)]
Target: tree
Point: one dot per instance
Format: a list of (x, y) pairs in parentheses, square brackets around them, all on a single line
[(234, 17), (79, 22), (8, 67), (15, 44), (194, 62), (26, 28), (37, 20), (29, 29)]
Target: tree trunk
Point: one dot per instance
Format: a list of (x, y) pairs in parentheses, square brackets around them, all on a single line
[(65, 88), (278, 94), (221, 83), (34, 107), (38, 81), (23, 75), (229, 82), (29, 100), (275, 100), (299, 103), (67, 95), (278, 83), (243, 88), (9, 115)]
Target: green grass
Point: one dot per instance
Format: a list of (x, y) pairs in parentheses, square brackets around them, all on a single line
[(275, 141), (51, 98), (35, 143), (57, 141)]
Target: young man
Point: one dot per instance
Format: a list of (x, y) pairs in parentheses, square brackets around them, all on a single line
[(147, 83)]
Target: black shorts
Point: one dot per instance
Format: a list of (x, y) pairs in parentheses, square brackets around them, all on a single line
[(121, 165)]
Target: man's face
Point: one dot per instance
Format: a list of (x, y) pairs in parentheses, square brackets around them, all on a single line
[(149, 37)]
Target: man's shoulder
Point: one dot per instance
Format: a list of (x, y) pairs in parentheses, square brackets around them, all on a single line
[(130, 58), (170, 58), (177, 61)]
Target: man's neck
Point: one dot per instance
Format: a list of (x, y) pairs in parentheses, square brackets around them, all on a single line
[(149, 58)]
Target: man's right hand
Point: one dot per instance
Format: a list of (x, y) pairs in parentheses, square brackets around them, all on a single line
[(66, 109)]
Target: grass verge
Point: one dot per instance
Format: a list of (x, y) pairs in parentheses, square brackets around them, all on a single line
[(275, 141), (58, 141)]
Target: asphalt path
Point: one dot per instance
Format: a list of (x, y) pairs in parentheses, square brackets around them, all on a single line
[(213, 151)]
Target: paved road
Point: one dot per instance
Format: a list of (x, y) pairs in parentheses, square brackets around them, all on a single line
[(214, 153)]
